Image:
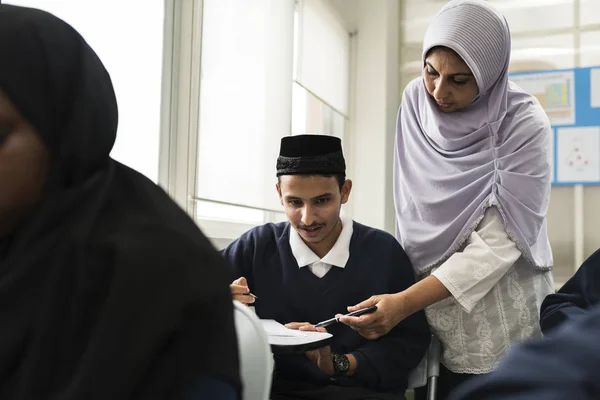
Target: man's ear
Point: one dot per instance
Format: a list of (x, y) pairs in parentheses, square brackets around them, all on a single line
[(279, 193), (346, 189)]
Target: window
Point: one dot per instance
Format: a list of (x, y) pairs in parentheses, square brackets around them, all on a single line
[(245, 101), (321, 70), (312, 115), (133, 57), (263, 77), (323, 54)]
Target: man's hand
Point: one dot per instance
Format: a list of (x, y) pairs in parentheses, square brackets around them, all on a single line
[(322, 358), (240, 291)]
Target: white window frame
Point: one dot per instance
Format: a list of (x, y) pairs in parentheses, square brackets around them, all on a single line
[(180, 113), (180, 100)]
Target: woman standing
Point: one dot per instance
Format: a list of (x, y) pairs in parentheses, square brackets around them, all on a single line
[(472, 187)]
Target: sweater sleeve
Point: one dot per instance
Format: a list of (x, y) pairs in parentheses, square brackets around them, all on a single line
[(385, 362), (578, 295)]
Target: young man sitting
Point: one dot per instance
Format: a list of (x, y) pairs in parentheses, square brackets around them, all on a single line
[(312, 267)]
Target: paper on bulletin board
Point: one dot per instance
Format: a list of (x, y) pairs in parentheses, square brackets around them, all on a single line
[(578, 155), (555, 92), (595, 87)]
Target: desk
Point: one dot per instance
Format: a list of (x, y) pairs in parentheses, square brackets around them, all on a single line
[(278, 349), (289, 341)]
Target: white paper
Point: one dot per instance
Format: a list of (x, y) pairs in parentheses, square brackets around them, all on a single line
[(578, 154), (295, 341), (552, 157), (279, 335), (274, 328), (595, 87)]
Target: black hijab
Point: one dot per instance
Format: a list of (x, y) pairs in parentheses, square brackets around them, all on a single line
[(109, 291)]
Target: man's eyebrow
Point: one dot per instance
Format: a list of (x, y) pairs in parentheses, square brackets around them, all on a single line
[(322, 196)]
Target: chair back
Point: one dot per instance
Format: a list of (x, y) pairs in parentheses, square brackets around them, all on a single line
[(256, 358)]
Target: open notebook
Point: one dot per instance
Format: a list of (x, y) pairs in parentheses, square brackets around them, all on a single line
[(279, 335)]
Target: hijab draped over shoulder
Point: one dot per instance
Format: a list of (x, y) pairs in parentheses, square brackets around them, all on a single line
[(109, 290), (450, 167)]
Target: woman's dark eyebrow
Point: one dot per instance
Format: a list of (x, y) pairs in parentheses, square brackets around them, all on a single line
[(452, 75), (430, 66), (462, 74)]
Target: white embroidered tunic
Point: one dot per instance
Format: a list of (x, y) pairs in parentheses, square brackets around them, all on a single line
[(496, 299)]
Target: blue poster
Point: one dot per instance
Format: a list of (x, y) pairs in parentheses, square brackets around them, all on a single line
[(571, 99)]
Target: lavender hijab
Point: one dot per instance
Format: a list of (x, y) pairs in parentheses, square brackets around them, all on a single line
[(450, 167)]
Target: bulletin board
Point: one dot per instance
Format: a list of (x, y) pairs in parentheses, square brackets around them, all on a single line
[(571, 99)]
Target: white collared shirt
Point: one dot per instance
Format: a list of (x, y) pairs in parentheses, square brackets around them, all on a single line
[(338, 255)]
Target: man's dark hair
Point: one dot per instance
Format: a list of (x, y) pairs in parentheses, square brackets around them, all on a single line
[(340, 178)]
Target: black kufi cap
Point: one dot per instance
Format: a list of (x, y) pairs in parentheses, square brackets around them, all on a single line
[(310, 155)]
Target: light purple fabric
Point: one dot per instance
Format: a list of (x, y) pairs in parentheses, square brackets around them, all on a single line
[(450, 167)]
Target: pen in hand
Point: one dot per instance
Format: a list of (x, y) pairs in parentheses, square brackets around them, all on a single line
[(241, 292), (356, 313)]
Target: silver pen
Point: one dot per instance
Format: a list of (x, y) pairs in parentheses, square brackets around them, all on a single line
[(356, 313)]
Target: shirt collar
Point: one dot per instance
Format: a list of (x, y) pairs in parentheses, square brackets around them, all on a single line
[(338, 255)]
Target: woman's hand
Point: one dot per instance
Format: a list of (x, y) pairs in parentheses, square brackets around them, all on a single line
[(391, 309)]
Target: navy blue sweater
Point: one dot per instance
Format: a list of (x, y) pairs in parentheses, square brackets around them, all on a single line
[(287, 293), (578, 295)]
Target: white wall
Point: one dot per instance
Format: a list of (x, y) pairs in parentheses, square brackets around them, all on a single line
[(374, 102)]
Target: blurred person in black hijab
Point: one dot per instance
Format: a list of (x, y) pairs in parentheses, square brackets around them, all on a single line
[(106, 286)]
